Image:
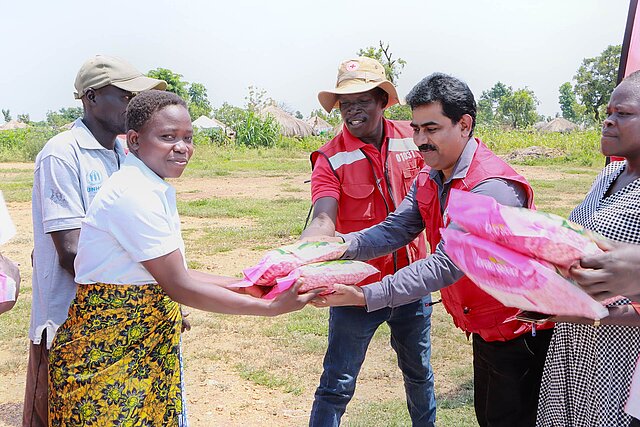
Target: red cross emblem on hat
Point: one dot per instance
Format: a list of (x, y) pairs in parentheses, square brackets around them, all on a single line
[(352, 65)]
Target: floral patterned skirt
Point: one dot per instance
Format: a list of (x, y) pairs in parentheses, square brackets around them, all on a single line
[(116, 359)]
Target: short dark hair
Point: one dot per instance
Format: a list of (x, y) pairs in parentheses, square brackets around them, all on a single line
[(143, 105), (453, 94)]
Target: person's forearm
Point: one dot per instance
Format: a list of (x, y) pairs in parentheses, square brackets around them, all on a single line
[(413, 282), (213, 279), (203, 296), (321, 225), (624, 315)]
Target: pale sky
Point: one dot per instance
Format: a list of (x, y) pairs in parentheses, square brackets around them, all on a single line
[(292, 49)]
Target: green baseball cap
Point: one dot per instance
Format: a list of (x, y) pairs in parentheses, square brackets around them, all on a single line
[(102, 70)]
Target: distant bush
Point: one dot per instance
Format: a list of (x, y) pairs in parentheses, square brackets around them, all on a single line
[(214, 136), (23, 145)]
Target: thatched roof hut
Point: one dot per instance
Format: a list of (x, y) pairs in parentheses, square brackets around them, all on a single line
[(559, 124), (319, 125), (289, 125), (13, 124)]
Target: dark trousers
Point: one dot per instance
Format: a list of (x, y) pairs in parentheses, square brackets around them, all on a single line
[(36, 403), (506, 379), (634, 422)]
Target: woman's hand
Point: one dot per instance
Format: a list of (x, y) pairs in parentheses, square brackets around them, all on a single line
[(290, 300), (342, 295), (614, 272)]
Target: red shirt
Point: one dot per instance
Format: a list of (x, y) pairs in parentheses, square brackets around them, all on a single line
[(368, 184)]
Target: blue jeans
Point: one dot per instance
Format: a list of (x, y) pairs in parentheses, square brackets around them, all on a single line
[(350, 331)]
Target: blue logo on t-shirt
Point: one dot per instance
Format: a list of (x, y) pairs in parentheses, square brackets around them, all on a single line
[(94, 179)]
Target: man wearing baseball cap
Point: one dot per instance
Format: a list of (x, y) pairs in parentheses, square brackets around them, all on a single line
[(69, 171), (359, 178)]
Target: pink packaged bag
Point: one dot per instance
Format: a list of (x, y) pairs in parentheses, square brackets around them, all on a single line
[(7, 288), (517, 280), (536, 234), (281, 261), (324, 275)]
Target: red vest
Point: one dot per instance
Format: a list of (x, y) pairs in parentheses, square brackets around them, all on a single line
[(473, 310), (371, 188)]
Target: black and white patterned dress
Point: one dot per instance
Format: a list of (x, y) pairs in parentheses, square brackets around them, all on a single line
[(588, 370)]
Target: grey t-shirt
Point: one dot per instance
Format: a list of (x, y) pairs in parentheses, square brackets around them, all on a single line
[(68, 173), (437, 270)]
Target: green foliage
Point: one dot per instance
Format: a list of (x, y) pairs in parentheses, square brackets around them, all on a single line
[(174, 81), (63, 116), (398, 112), (519, 108), (213, 136), (595, 80), (194, 94), (392, 67), (333, 118), (489, 103), (502, 105), (23, 144), (24, 118), (199, 104), (7, 115), (257, 99), (571, 110), (256, 131), (251, 129)]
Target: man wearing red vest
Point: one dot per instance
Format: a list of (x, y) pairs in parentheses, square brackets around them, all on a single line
[(507, 358), (358, 178)]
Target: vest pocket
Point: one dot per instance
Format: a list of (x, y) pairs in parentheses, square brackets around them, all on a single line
[(408, 176), (356, 202)]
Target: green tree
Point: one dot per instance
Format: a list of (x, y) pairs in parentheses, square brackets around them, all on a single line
[(174, 81), (257, 99), (571, 110), (199, 104), (398, 112), (63, 116), (7, 115), (24, 118), (595, 80), (519, 108), (392, 67), (489, 103), (230, 115)]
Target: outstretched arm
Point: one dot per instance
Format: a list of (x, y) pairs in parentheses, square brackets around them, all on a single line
[(169, 272)]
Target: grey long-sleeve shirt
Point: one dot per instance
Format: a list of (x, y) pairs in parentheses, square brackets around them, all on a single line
[(405, 224)]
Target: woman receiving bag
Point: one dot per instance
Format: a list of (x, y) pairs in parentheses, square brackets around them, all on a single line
[(116, 360)]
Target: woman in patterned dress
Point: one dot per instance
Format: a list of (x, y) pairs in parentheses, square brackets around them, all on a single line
[(116, 359), (590, 364)]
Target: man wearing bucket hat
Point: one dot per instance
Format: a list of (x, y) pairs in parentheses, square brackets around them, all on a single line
[(69, 171), (358, 178)]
